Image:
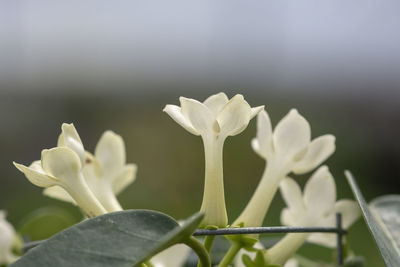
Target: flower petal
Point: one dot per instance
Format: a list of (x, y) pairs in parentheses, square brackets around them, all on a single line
[(37, 178), (125, 178), (291, 263), (263, 143), (172, 256), (61, 162), (57, 192), (110, 153), (287, 218), (350, 211), (216, 103), (234, 117), (70, 138), (291, 135), (291, 194), (318, 151), (176, 114), (255, 111), (320, 193), (326, 240), (199, 115)]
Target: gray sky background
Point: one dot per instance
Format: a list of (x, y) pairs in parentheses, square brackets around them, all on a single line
[(353, 46)]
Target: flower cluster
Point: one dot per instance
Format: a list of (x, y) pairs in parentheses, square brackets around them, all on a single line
[(69, 173), (91, 181)]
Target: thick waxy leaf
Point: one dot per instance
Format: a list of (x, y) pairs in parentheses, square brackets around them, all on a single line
[(386, 210), (383, 238), (118, 239)]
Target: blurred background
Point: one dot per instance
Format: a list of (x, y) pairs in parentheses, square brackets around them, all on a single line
[(115, 64)]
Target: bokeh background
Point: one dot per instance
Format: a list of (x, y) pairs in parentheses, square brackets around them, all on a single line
[(115, 64)]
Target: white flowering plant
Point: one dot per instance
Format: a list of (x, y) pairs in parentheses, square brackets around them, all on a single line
[(112, 236)]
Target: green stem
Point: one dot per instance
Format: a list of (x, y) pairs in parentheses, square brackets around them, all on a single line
[(230, 255), (204, 257), (148, 263), (208, 242)]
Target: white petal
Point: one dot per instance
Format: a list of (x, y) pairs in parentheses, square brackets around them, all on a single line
[(234, 117), (199, 115), (61, 162), (216, 103), (37, 166), (58, 193), (291, 135), (291, 263), (255, 111), (326, 240), (176, 114), (291, 194), (110, 153), (72, 140), (350, 211), (264, 135), (174, 256), (320, 193), (7, 237), (287, 218), (125, 178), (256, 147), (317, 152), (35, 177)]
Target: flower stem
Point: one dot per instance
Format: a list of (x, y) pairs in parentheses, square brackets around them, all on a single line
[(204, 257), (230, 255), (208, 242)]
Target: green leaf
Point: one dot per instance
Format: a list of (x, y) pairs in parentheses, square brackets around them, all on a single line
[(388, 249), (386, 210), (45, 222), (118, 239)]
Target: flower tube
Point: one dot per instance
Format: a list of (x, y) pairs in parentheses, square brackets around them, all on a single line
[(214, 120)]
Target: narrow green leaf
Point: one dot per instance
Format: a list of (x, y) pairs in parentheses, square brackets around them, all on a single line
[(388, 251), (119, 239), (386, 210)]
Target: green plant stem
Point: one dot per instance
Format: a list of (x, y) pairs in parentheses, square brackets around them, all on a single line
[(208, 242), (204, 257), (230, 255), (149, 264)]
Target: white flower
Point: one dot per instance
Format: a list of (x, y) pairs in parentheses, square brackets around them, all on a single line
[(214, 120), (61, 166), (286, 149), (106, 173), (317, 206), (7, 238), (174, 256)]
